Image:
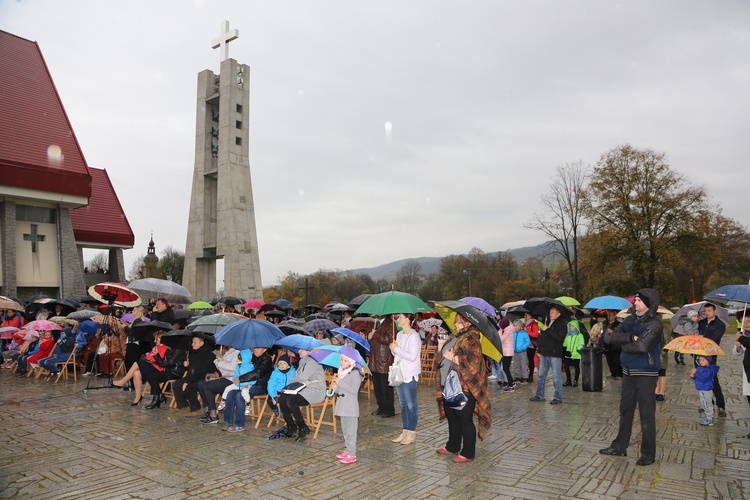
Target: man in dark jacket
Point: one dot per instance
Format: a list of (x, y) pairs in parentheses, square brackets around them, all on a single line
[(381, 360), (234, 412), (640, 338), (550, 351), (713, 328), (200, 363), (162, 312)]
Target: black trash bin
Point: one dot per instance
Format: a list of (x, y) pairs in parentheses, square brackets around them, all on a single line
[(591, 365)]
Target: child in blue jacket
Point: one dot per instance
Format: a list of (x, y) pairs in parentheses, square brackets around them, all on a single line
[(704, 375), (280, 378)]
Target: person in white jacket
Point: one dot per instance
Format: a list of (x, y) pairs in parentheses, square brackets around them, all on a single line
[(407, 350)]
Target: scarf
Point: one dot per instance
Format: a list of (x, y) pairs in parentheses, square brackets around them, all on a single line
[(473, 375), (344, 372)]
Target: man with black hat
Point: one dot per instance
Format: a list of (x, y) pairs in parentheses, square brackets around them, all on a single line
[(640, 338)]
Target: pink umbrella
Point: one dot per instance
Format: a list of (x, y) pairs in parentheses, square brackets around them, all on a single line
[(253, 304), (42, 325)]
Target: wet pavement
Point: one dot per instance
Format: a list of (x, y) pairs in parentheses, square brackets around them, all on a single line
[(58, 442)]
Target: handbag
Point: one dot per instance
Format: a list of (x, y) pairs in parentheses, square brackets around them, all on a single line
[(453, 395), (395, 375)]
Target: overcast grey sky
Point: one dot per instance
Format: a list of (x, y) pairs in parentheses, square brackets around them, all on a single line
[(484, 99)]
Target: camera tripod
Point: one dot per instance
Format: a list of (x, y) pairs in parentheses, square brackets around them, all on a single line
[(107, 332)]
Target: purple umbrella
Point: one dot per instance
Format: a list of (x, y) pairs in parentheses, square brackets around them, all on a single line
[(480, 304)]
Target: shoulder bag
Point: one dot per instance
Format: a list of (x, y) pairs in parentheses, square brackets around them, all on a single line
[(453, 395)]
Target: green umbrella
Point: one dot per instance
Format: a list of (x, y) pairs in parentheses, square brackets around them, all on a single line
[(568, 301), (393, 302), (200, 305)]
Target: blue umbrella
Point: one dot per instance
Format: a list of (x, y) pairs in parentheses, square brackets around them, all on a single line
[(283, 303), (480, 304), (89, 327), (296, 341), (359, 339), (330, 355), (248, 333), (736, 295), (607, 302)]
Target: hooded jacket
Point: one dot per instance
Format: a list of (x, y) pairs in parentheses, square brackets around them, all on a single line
[(574, 341), (261, 372), (551, 339), (641, 356)]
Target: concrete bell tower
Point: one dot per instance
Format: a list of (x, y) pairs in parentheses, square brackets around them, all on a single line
[(222, 215)]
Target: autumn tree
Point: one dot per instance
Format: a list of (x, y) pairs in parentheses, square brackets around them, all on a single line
[(171, 264), (642, 209), (409, 277), (562, 216), (99, 263)]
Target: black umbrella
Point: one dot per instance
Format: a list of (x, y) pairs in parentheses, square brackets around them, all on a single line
[(182, 339), (359, 300), (313, 307), (475, 317), (88, 299), (540, 306), (516, 312), (291, 327), (144, 331), (230, 301), (278, 314), (270, 306)]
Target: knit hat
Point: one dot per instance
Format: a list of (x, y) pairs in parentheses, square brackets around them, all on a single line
[(285, 359), (504, 323), (519, 323), (692, 314), (646, 301)]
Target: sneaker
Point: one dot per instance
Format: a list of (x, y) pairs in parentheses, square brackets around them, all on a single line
[(247, 410), (347, 460), (555, 402), (227, 426), (492, 377), (343, 454), (509, 388), (209, 420), (221, 406), (536, 399), (235, 428), (706, 422)]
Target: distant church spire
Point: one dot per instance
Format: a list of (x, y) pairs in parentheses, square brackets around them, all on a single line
[(150, 261)]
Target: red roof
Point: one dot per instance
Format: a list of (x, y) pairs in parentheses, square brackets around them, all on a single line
[(102, 220), (32, 119)]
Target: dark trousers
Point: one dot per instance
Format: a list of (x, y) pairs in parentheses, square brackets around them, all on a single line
[(575, 363), (531, 354), (461, 429), (155, 380), (506, 368), (613, 361), (638, 391), (188, 396), (209, 390), (289, 405), (383, 393)]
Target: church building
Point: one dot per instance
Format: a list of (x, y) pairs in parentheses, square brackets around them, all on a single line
[(52, 204)]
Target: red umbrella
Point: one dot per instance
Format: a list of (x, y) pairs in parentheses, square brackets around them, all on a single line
[(253, 304), (117, 293)]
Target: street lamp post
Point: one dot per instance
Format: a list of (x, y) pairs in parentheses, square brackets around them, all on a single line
[(468, 273)]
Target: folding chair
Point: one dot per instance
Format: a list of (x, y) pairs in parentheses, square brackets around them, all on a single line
[(70, 362), (329, 402)]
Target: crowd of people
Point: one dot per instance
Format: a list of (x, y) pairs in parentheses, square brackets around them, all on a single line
[(206, 379)]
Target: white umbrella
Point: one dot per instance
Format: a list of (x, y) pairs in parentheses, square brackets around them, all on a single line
[(165, 289)]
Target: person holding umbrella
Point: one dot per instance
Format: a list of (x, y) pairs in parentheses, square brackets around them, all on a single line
[(408, 348), (464, 355)]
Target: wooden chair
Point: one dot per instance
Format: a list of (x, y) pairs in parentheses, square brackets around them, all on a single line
[(166, 390), (64, 366), (118, 364), (265, 409), (428, 364), (321, 419), (366, 386)]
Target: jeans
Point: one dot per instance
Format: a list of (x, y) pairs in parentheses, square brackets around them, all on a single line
[(407, 398), (235, 408), (547, 363), (49, 363), (639, 391)]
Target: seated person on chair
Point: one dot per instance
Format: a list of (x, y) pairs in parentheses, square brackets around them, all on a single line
[(200, 363), (44, 348), (60, 353), (280, 378), (208, 389), (234, 413)]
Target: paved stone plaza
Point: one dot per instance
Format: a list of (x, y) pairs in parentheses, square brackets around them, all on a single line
[(61, 443)]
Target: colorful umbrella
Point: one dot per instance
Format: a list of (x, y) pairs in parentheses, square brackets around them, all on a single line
[(480, 304), (295, 342), (63, 321), (359, 339), (330, 355), (490, 338), (607, 302), (42, 325), (249, 333), (568, 301), (253, 304), (695, 344), (115, 325), (514, 303), (201, 304), (428, 323), (393, 302), (117, 293)]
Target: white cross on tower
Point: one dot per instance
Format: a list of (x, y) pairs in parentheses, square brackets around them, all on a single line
[(224, 38)]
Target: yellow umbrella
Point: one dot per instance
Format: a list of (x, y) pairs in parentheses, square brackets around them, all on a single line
[(489, 338), (695, 344)]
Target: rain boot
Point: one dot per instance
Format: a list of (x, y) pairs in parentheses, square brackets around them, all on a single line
[(410, 437), (304, 430), (291, 427), (400, 437)]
